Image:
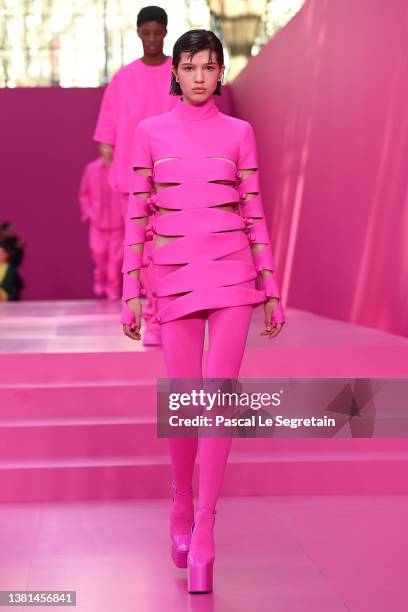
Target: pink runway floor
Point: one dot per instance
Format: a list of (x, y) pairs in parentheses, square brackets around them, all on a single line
[(274, 554), (77, 441)]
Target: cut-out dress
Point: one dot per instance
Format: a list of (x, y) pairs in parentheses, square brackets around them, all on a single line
[(196, 170)]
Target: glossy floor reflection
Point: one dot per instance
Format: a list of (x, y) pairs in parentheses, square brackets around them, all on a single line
[(94, 326), (275, 554)]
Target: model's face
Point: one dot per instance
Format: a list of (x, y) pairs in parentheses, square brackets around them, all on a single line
[(152, 35), (198, 75)]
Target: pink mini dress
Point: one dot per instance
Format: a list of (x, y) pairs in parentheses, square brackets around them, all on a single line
[(208, 214)]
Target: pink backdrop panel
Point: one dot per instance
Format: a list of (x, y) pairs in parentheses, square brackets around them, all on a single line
[(328, 100), (46, 141)]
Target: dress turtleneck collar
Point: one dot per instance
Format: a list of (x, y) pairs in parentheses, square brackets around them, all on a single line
[(195, 112)]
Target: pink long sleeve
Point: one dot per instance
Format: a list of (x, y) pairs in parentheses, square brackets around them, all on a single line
[(84, 195), (105, 130), (136, 218), (252, 210)]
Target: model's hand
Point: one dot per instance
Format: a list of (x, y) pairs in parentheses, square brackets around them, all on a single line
[(106, 151), (133, 329), (271, 329)]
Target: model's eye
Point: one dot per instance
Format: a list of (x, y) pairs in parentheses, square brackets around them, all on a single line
[(188, 68), (210, 68)]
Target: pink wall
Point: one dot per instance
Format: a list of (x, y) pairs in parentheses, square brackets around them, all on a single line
[(328, 100), (46, 140)]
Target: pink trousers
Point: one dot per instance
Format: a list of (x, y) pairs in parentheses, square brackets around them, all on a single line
[(106, 246), (183, 344)]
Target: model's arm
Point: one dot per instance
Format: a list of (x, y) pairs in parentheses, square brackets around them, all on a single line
[(105, 131), (135, 232), (84, 195), (252, 210), (106, 150)]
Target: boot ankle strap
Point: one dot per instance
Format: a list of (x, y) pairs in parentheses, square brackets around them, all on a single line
[(188, 492), (211, 511)]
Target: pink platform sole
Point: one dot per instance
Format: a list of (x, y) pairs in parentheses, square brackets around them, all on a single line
[(200, 578)]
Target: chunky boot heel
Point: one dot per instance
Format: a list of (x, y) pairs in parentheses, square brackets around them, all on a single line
[(201, 556), (200, 577), (180, 542)]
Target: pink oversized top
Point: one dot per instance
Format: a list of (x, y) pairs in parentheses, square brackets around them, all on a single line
[(97, 200), (197, 155), (136, 91)]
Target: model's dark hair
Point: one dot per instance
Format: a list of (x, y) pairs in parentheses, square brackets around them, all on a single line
[(192, 42), (152, 13)]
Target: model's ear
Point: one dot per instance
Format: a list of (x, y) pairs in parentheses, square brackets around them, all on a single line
[(174, 72)]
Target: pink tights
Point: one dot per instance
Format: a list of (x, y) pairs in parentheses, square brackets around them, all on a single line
[(183, 344)]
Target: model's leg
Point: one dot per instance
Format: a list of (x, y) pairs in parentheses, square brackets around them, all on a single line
[(183, 343), (114, 264), (228, 331), (98, 246)]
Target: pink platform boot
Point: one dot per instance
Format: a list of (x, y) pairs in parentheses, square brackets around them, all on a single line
[(181, 519), (201, 556)]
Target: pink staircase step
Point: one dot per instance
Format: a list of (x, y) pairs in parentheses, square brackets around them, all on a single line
[(77, 399), (260, 473), (123, 435), (78, 411)]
